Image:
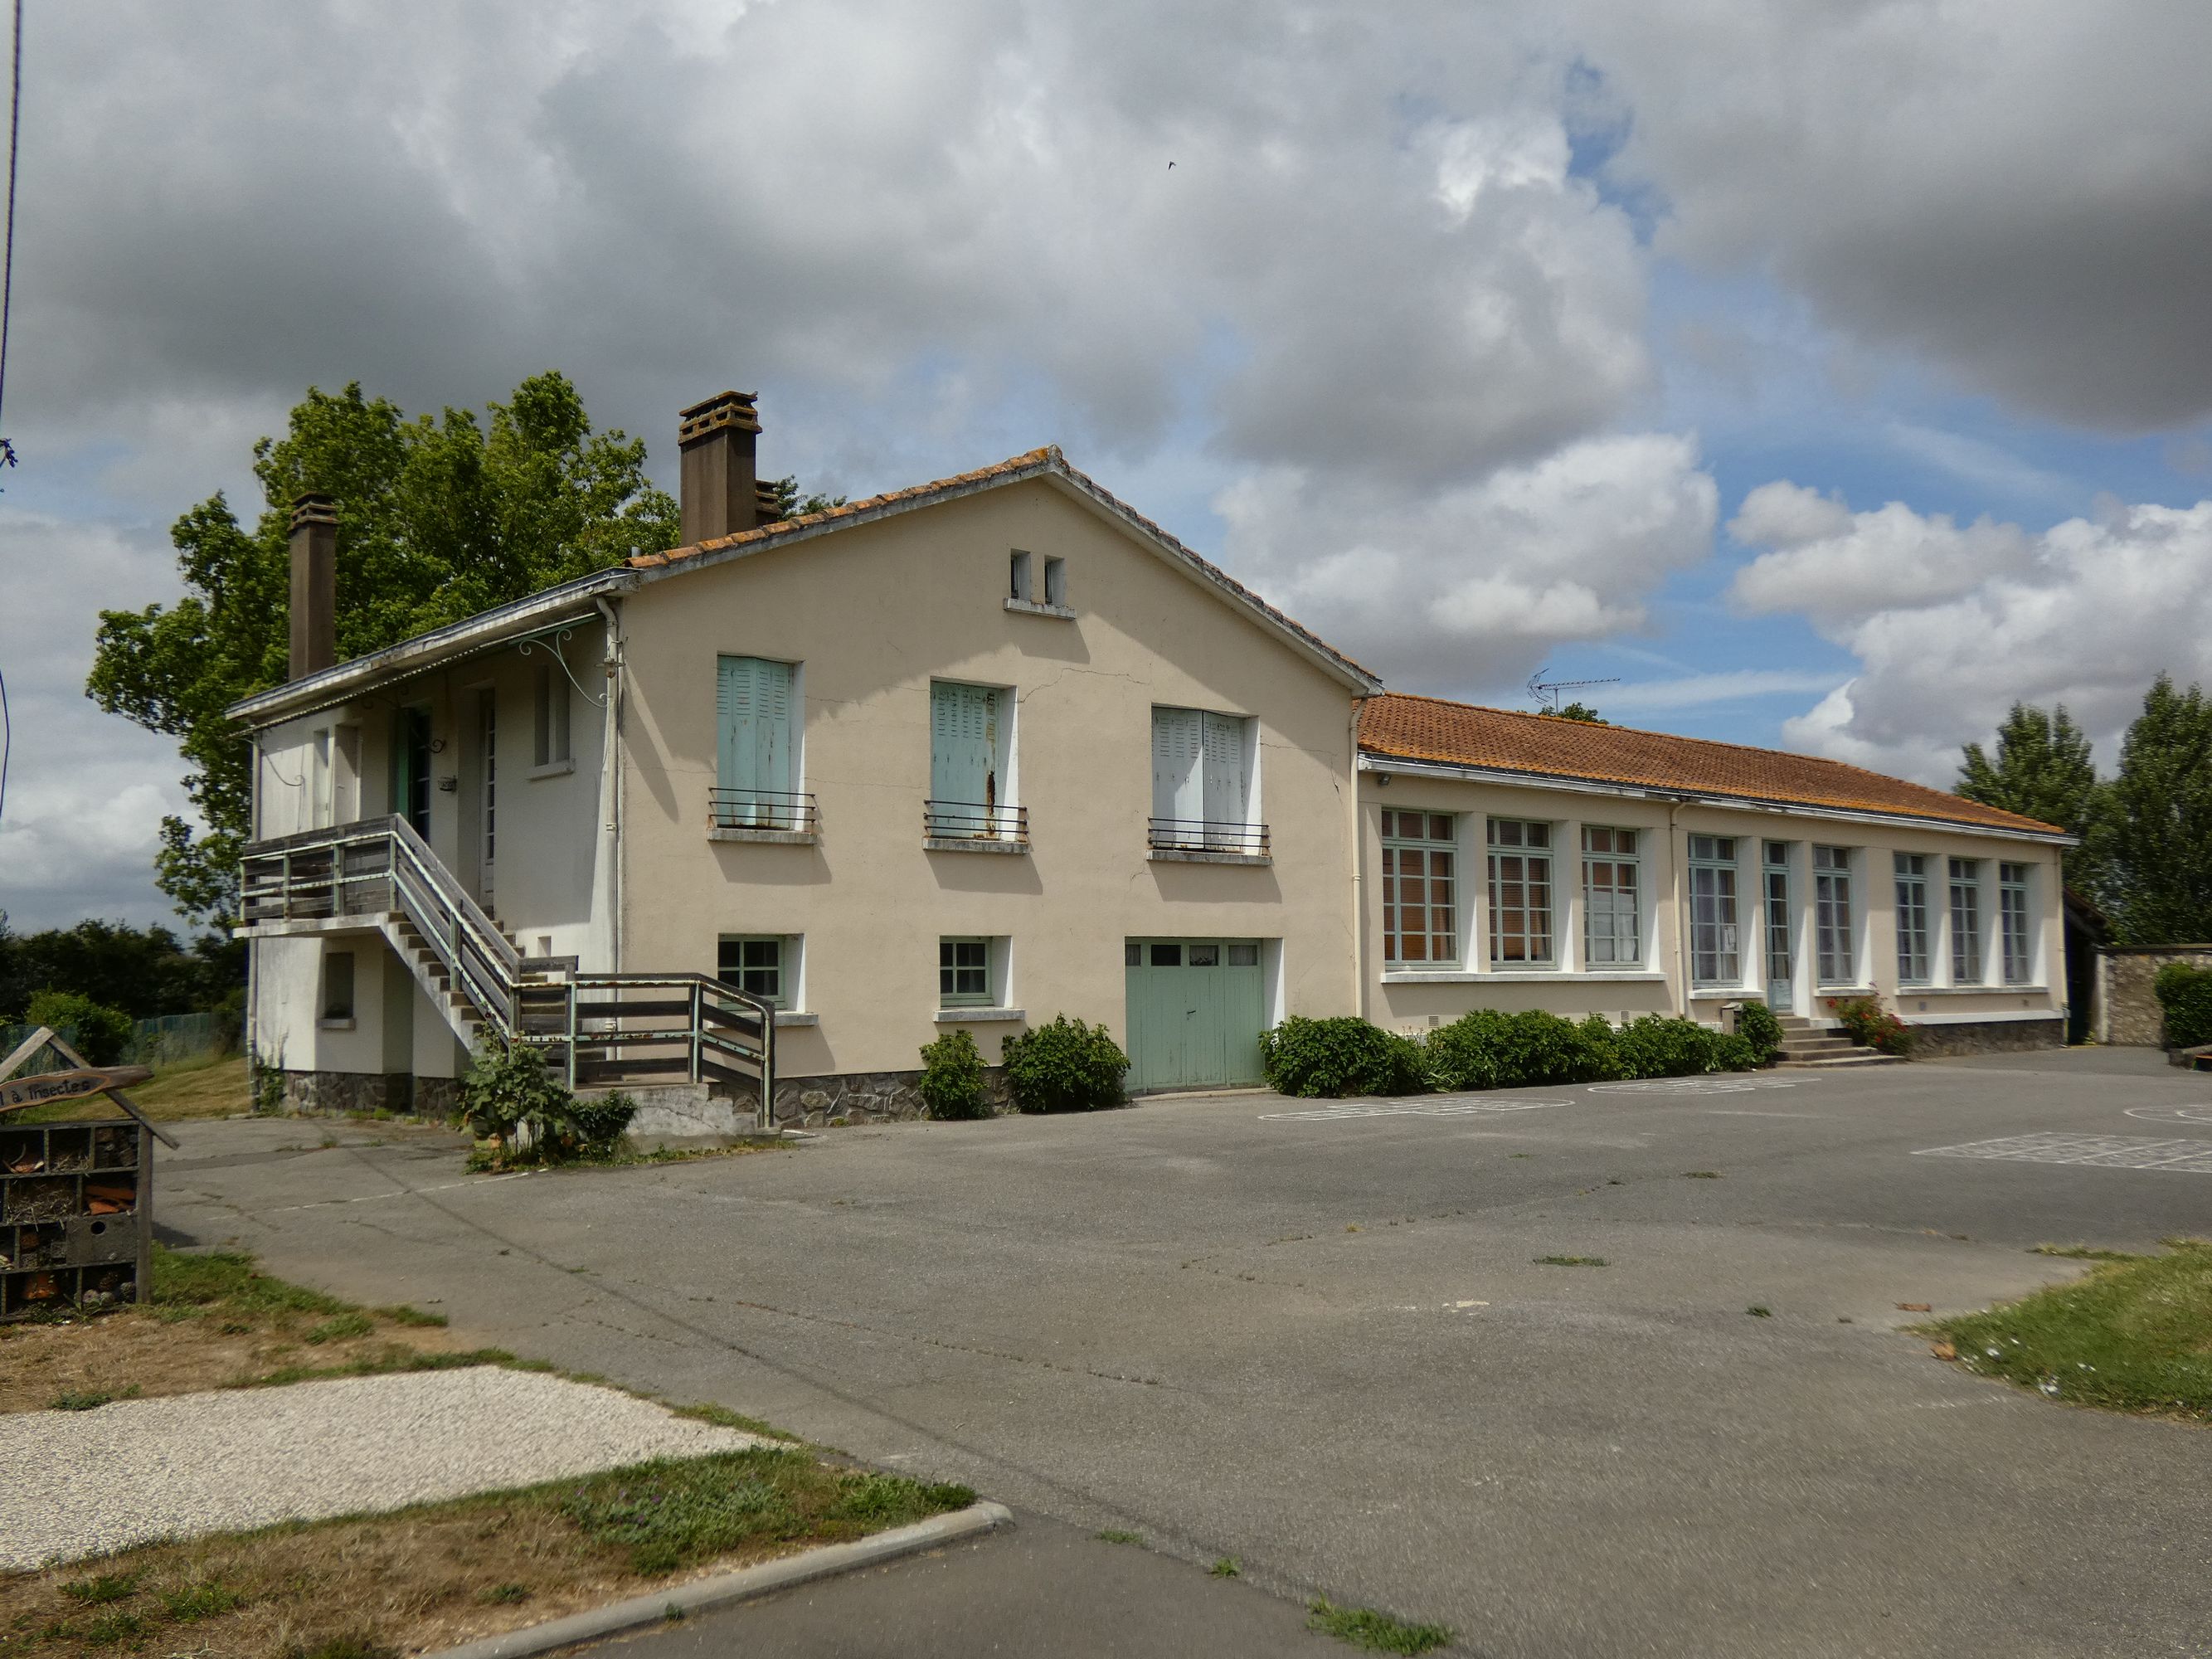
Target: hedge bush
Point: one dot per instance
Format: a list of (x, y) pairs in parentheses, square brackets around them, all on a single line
[(1485, 1048), (1064, 1067), (96, 1031), (1872, 1025), (951, 1084), (1756, 1024), (2184, 993), (1332, 1058)]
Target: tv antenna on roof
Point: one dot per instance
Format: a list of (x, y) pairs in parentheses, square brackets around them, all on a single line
[(1546, 692)]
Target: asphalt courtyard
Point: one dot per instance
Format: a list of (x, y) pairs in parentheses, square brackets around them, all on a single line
[(1320, 1338)]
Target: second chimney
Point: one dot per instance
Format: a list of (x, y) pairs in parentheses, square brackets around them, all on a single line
[(719, 490), (314, 583)]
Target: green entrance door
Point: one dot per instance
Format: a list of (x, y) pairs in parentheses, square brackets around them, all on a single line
[(1196, 1007)]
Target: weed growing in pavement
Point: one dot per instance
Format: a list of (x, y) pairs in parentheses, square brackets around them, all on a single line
[(1571, 1262), (1379, 1632), (1759, 1312), (2085, 1252), (1117, 1535), (87, 1400), (400, 1314), (723, 1418), (1226, 1566), (1701, 1174), (2135, 1335)]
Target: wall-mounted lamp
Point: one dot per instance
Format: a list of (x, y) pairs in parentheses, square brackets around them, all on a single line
[(1383, 780)]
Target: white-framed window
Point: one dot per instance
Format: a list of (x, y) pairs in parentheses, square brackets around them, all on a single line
[(549, 715), (1420, 889), (964, 973), (1202, 766), (1716, 930), (337, 988), (765, 965), (1055, 582), (1780, 925), (1914, 963), (1613, 897), (2014, 912), (1965, 921), (1017, 575), (1835, 943), (1520, 894)]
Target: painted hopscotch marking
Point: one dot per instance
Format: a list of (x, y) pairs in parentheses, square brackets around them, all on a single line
[(1691, 1085), (2100, 1151), (1437, 1108), (2172, 1113)]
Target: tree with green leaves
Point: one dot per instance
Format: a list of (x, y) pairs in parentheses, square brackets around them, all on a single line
[(2042, 770), (438, 519), (2153, 834)]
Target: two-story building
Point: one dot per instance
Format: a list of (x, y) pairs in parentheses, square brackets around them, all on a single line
[(998, 748)]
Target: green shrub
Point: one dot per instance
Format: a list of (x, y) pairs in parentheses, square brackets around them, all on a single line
[(1670, 1046), (2184, 993), (1484, 1049), (510, 1099), (1332, 1058), (1756, 1024), (1064, 1067), (1872, 1025), (96, 1031), (951, 1084)]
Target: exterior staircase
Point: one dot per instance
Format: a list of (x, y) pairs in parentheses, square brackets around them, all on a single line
[(593, 1030), (1804, 1044)]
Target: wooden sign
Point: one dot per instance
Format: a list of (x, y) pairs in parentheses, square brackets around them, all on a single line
[(16, 1093)]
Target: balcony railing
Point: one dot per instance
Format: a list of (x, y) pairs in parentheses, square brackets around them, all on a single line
[(1206, 836), (968, 820), (763, 809)]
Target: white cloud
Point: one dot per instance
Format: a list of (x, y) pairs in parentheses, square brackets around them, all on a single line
[(1468, 589), (1833, 564), (1702, 690), (2084, 613)]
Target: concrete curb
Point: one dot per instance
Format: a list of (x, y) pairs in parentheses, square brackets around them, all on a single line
[(727, 1589)]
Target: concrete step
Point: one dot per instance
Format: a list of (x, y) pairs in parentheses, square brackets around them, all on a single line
[(1856, 1057)]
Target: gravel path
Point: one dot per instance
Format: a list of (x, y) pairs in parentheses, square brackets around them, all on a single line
[(81, 1483)]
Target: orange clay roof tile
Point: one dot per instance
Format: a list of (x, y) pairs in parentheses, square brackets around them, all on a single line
[(1413, 728)]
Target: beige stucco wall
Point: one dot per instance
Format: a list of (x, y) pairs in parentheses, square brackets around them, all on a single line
[(1412, 1000), (872, 614)]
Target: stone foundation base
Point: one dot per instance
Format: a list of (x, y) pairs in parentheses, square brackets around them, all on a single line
[(1995, 1036), (813, 1103), (339, 1094)]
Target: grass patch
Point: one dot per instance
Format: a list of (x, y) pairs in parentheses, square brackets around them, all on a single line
[(438, 1575), (2133, 1335), (1226, 1566), (1121, 1535), (1379, 1632), (2084, 1253), (176, 1093), (216, 1320), (1571, 1262), (723, 1418)]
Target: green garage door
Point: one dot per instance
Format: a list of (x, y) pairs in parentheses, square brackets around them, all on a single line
[(1195, 1012)]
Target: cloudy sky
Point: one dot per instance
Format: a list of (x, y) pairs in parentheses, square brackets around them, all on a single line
[(1830, 373)]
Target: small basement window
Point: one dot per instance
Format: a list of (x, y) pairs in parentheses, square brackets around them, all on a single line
[(754, 966), (963, 972)]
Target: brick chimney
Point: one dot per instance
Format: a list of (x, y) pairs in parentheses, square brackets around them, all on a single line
[(719, 491), (314, 583)]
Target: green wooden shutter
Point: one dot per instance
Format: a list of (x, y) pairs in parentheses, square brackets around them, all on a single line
[(964, 744), (753, 718)]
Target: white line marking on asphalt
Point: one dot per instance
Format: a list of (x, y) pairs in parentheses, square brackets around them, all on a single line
[(2100, 1151), (1691, 1086), (1444, 1109), (2172, 1113), (1747, 1111), (401, 1192)]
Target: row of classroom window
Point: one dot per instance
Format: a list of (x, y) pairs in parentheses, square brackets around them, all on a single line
[(1421, 904)]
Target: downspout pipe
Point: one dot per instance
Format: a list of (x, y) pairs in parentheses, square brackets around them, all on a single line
[(1677, 862), (1359, 1003), (610, 746)]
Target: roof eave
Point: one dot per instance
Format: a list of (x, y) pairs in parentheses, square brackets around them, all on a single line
[(1378, 760), (487, 629)]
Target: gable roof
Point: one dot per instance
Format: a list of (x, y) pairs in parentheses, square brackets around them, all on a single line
[(576, 601), (1049, 464), (1545, 747)]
